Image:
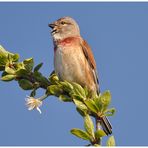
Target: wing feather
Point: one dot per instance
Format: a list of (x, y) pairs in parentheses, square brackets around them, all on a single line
[(90, 58)]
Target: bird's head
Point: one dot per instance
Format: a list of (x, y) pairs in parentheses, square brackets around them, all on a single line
[(63, 28)]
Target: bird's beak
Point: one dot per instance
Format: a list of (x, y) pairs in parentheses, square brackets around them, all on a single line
[(51, 25)]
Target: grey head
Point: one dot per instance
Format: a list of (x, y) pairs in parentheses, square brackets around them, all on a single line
[(63, 28)]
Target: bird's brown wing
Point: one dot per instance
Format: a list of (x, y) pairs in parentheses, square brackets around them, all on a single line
[(90, 58)]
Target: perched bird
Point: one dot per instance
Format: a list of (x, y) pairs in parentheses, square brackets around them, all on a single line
[(74, 60)]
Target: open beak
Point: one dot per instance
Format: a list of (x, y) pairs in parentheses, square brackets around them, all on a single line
[(51, 25)]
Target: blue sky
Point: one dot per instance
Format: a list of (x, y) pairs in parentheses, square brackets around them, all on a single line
[(118, 35)]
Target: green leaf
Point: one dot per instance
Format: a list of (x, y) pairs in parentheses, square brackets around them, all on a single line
[(3, 59), (25, 84), (28, 63), (92, 106), (40, 78), (21, 72), (86, 92), (9, 70), (19, 66), (76, 97), (78, 91), (12, 57), (89, 126), (15, 57), (3, 51), (110, 112), (66, 86), (80, 133), (33, 93), (54, 90), (53, 79), (80, 104), (106, 98), (8, 77), (82, 112), (2, 68), (65, 98), (99, 133), (111, 141), (4, 73), (103, 101), (37, 68)]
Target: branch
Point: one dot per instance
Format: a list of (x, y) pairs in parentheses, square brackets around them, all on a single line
[(29, 78)]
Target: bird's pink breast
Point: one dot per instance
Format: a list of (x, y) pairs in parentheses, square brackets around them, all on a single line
[(68, 41), (70, 63), (68, 59)]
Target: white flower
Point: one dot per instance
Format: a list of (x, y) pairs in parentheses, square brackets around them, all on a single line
[(33, 103)]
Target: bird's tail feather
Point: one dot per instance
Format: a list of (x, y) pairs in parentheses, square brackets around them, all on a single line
[(106, 125)]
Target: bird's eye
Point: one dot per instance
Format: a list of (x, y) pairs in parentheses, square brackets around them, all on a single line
[(63, 23)]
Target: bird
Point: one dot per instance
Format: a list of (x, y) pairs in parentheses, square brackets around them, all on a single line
[(74, 60)]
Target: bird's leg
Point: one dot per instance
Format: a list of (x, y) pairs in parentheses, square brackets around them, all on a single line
[(98, 127)]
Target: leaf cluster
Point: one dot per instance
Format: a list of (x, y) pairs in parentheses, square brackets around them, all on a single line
[(29, 78), (96, 107)]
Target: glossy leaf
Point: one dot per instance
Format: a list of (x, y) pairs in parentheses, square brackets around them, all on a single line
[(89, 126), (21, 72), (3, 60), (2, 68), (54, 90), (53, 79), (91, 105), (4, 73), (66, 86), (15, 57), (106, 98), (9, 70), (110, 112), (81, 111), (99, 133), (37, 68), (103, 101), (8, 77), (86, 92), (39, 77), (25, 84), (78, 90), (28, 63), (80, 104), (80, 134), (65, 98), (3, 51), (111, 141), (6, 56), (19, 66), (76, 97), (33, 93)]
